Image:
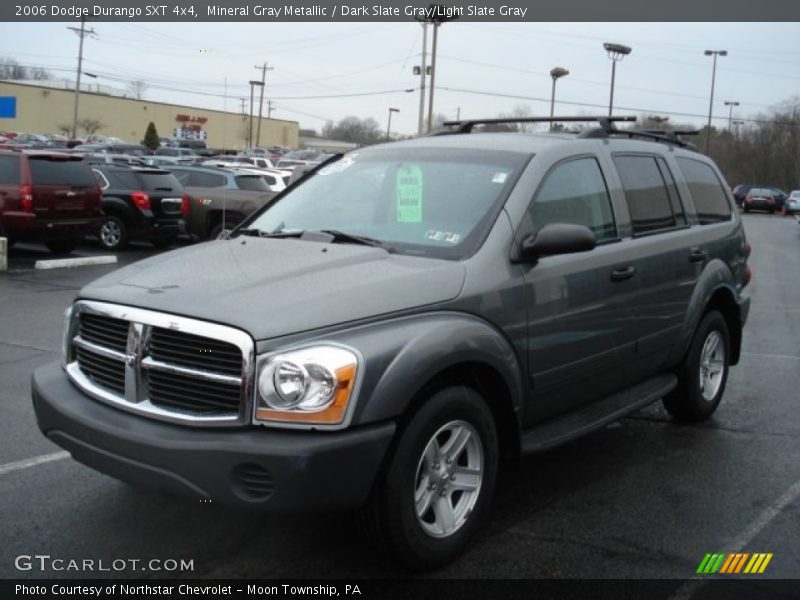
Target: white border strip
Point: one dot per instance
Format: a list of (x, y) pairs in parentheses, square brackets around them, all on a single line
[(32, 462), (59, 263)]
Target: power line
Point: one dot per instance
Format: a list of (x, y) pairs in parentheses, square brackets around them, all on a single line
[(591, 105)]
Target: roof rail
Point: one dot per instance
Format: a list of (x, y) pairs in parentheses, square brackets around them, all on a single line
[(659, 135), (451, 127)]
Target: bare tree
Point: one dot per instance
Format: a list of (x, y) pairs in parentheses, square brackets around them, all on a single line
[(91, 126), (11, 69), (137, 88), (519, 111), (355, 130)]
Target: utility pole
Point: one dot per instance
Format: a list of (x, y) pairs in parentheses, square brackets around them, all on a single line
[(458, 113), (264, 70), (422, 78), (244, 102), (715, 54), (270, 108), (82, 33)]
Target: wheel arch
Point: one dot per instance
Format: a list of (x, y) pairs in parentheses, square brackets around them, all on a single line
[(715, 290), (411, 358)]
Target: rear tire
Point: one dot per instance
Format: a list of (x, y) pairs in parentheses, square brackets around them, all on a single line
[(61, 246), (215, 232), (114, 233), (438, 482), (704, 372)]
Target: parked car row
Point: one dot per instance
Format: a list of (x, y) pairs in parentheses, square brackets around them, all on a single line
[(766, 198), (59, 198)]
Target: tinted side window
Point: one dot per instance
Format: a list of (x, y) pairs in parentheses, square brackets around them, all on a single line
[(646, 193), (575, 192), (61, 172), (122, 180), (251, 182), (9, 170), (709, 196), (674, 198), (206, 180)]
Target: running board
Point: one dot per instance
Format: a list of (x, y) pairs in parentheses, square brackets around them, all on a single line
[(595, 415)]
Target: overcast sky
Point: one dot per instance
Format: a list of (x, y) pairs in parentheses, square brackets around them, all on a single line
[(315, 62)]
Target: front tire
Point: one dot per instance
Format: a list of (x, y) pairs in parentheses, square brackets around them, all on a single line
[(704, 372), (439, 481)]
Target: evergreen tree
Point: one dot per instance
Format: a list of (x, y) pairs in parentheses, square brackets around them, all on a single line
[(151, 139)]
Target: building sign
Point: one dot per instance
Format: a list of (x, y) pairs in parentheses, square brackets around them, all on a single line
[(190, 128), (8, 107)]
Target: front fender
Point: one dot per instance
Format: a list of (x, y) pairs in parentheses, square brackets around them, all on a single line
[(404, 354)]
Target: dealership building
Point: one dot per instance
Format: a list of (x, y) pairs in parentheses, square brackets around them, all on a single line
[(44, 107)]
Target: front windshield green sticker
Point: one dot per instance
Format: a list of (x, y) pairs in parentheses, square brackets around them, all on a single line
[(409, 194)]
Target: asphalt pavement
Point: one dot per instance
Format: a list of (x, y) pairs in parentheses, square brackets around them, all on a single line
[(643, 498)]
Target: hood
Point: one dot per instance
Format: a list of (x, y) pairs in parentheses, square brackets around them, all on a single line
[(276, 287)]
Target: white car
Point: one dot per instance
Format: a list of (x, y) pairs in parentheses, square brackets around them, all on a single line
[(274, 178)]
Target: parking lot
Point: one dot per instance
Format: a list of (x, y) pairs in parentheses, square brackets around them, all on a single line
[(642, 498)]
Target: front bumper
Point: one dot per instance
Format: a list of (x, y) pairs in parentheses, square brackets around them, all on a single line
[(254, 467)]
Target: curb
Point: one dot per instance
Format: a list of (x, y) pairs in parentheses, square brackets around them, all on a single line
[(60, 263)]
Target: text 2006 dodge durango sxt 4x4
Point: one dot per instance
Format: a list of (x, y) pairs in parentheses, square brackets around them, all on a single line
[(402, 318)]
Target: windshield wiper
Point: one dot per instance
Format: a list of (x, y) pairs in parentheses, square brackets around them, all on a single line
[(341, 236)]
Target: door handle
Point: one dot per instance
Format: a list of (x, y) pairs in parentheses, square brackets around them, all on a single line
[(623, 274), (697, 255)]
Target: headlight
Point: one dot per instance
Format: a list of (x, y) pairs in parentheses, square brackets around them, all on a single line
[(66, 336), (307, 386)]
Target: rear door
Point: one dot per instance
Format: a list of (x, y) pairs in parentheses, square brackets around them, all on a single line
[(63, 187), (664, 255), (580, 328)]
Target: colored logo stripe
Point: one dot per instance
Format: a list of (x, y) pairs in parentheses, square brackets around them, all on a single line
[(734, 563)]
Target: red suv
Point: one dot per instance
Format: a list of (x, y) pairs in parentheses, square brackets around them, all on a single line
[(48, 196)]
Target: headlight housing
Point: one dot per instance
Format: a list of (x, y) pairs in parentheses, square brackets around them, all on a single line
[(67, 335), (308, 386)]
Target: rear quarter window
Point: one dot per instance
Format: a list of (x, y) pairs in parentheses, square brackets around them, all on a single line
[(74, 173), (251, 182), (9, 170), (708, 192)]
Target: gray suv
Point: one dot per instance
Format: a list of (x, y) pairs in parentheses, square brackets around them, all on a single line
[(405, 317)]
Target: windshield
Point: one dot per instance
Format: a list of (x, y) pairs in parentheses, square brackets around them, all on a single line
[(431, 202)]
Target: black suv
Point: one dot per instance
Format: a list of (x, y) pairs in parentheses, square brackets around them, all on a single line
[(140, 203), (403, 318)]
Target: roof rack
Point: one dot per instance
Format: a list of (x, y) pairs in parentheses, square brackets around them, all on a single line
[(660, 135), (452, 127)]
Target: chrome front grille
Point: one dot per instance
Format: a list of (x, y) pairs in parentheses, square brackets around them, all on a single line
[(163, 366)]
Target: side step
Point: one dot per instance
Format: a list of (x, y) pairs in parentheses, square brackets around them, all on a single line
[(595, 415)]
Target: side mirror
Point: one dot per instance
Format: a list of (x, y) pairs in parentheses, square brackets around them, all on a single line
[(557, 238)]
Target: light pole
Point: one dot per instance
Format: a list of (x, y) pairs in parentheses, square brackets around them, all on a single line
[(253, 83), (616, 52), (730, 112), (555, 73), (713, 53), (389, 124)]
